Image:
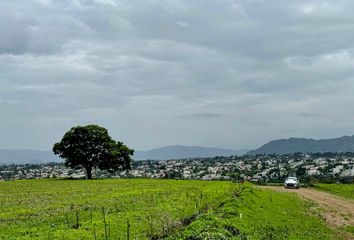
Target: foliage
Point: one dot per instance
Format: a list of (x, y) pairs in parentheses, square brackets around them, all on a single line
[(350, 229), (90, 146), (344, 190), (258, 214)]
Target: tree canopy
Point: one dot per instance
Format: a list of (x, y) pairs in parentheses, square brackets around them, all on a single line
[(91, 147)]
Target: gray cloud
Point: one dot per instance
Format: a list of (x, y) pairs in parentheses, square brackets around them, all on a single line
[(204, 115), (222, 73)]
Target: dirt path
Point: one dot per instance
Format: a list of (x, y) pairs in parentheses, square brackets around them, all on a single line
[(337, 211)]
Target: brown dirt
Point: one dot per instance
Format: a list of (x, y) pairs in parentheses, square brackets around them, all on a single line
[(337, 211)]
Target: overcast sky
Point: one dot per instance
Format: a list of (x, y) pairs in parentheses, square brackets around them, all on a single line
[(224, 73)]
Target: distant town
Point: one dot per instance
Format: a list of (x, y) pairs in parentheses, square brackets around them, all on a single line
[(324, 167)]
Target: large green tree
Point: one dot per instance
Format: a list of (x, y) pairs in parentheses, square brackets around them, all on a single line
[(91, 147)]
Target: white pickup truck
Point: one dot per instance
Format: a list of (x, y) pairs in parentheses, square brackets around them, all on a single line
[(292, 182)]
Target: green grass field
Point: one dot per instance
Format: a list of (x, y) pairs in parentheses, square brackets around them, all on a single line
[(259, 214), (152, 209), (344, 190), (101, 209)]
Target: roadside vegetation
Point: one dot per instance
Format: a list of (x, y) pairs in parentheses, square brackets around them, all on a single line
[(253, 213), (344, 190)]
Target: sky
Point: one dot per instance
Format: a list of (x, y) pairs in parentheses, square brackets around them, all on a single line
[(226, 73)]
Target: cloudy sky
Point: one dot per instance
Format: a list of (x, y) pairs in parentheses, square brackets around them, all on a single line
[(224, 73)]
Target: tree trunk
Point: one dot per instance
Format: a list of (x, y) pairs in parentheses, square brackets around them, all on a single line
[(88, 172)]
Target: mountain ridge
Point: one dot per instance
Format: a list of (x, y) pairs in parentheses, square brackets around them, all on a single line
[(182, 151), (31, 156), (292, 145), (278, 146)]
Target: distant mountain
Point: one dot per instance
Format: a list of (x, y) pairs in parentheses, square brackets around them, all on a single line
[(178, 152), (291, 145), (22, 156)]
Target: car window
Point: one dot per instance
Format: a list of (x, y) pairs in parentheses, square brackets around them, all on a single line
[(291, 178)]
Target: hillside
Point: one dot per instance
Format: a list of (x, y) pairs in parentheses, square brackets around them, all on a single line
[(156, 209), (22, 156), (179, 151), (291, 145)]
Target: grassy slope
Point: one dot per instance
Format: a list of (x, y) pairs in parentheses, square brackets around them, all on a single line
[(344, 190), (258, 214), (63, 209), (49, 209)]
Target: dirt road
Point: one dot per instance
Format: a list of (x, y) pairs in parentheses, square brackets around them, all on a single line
[(337, 211)]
